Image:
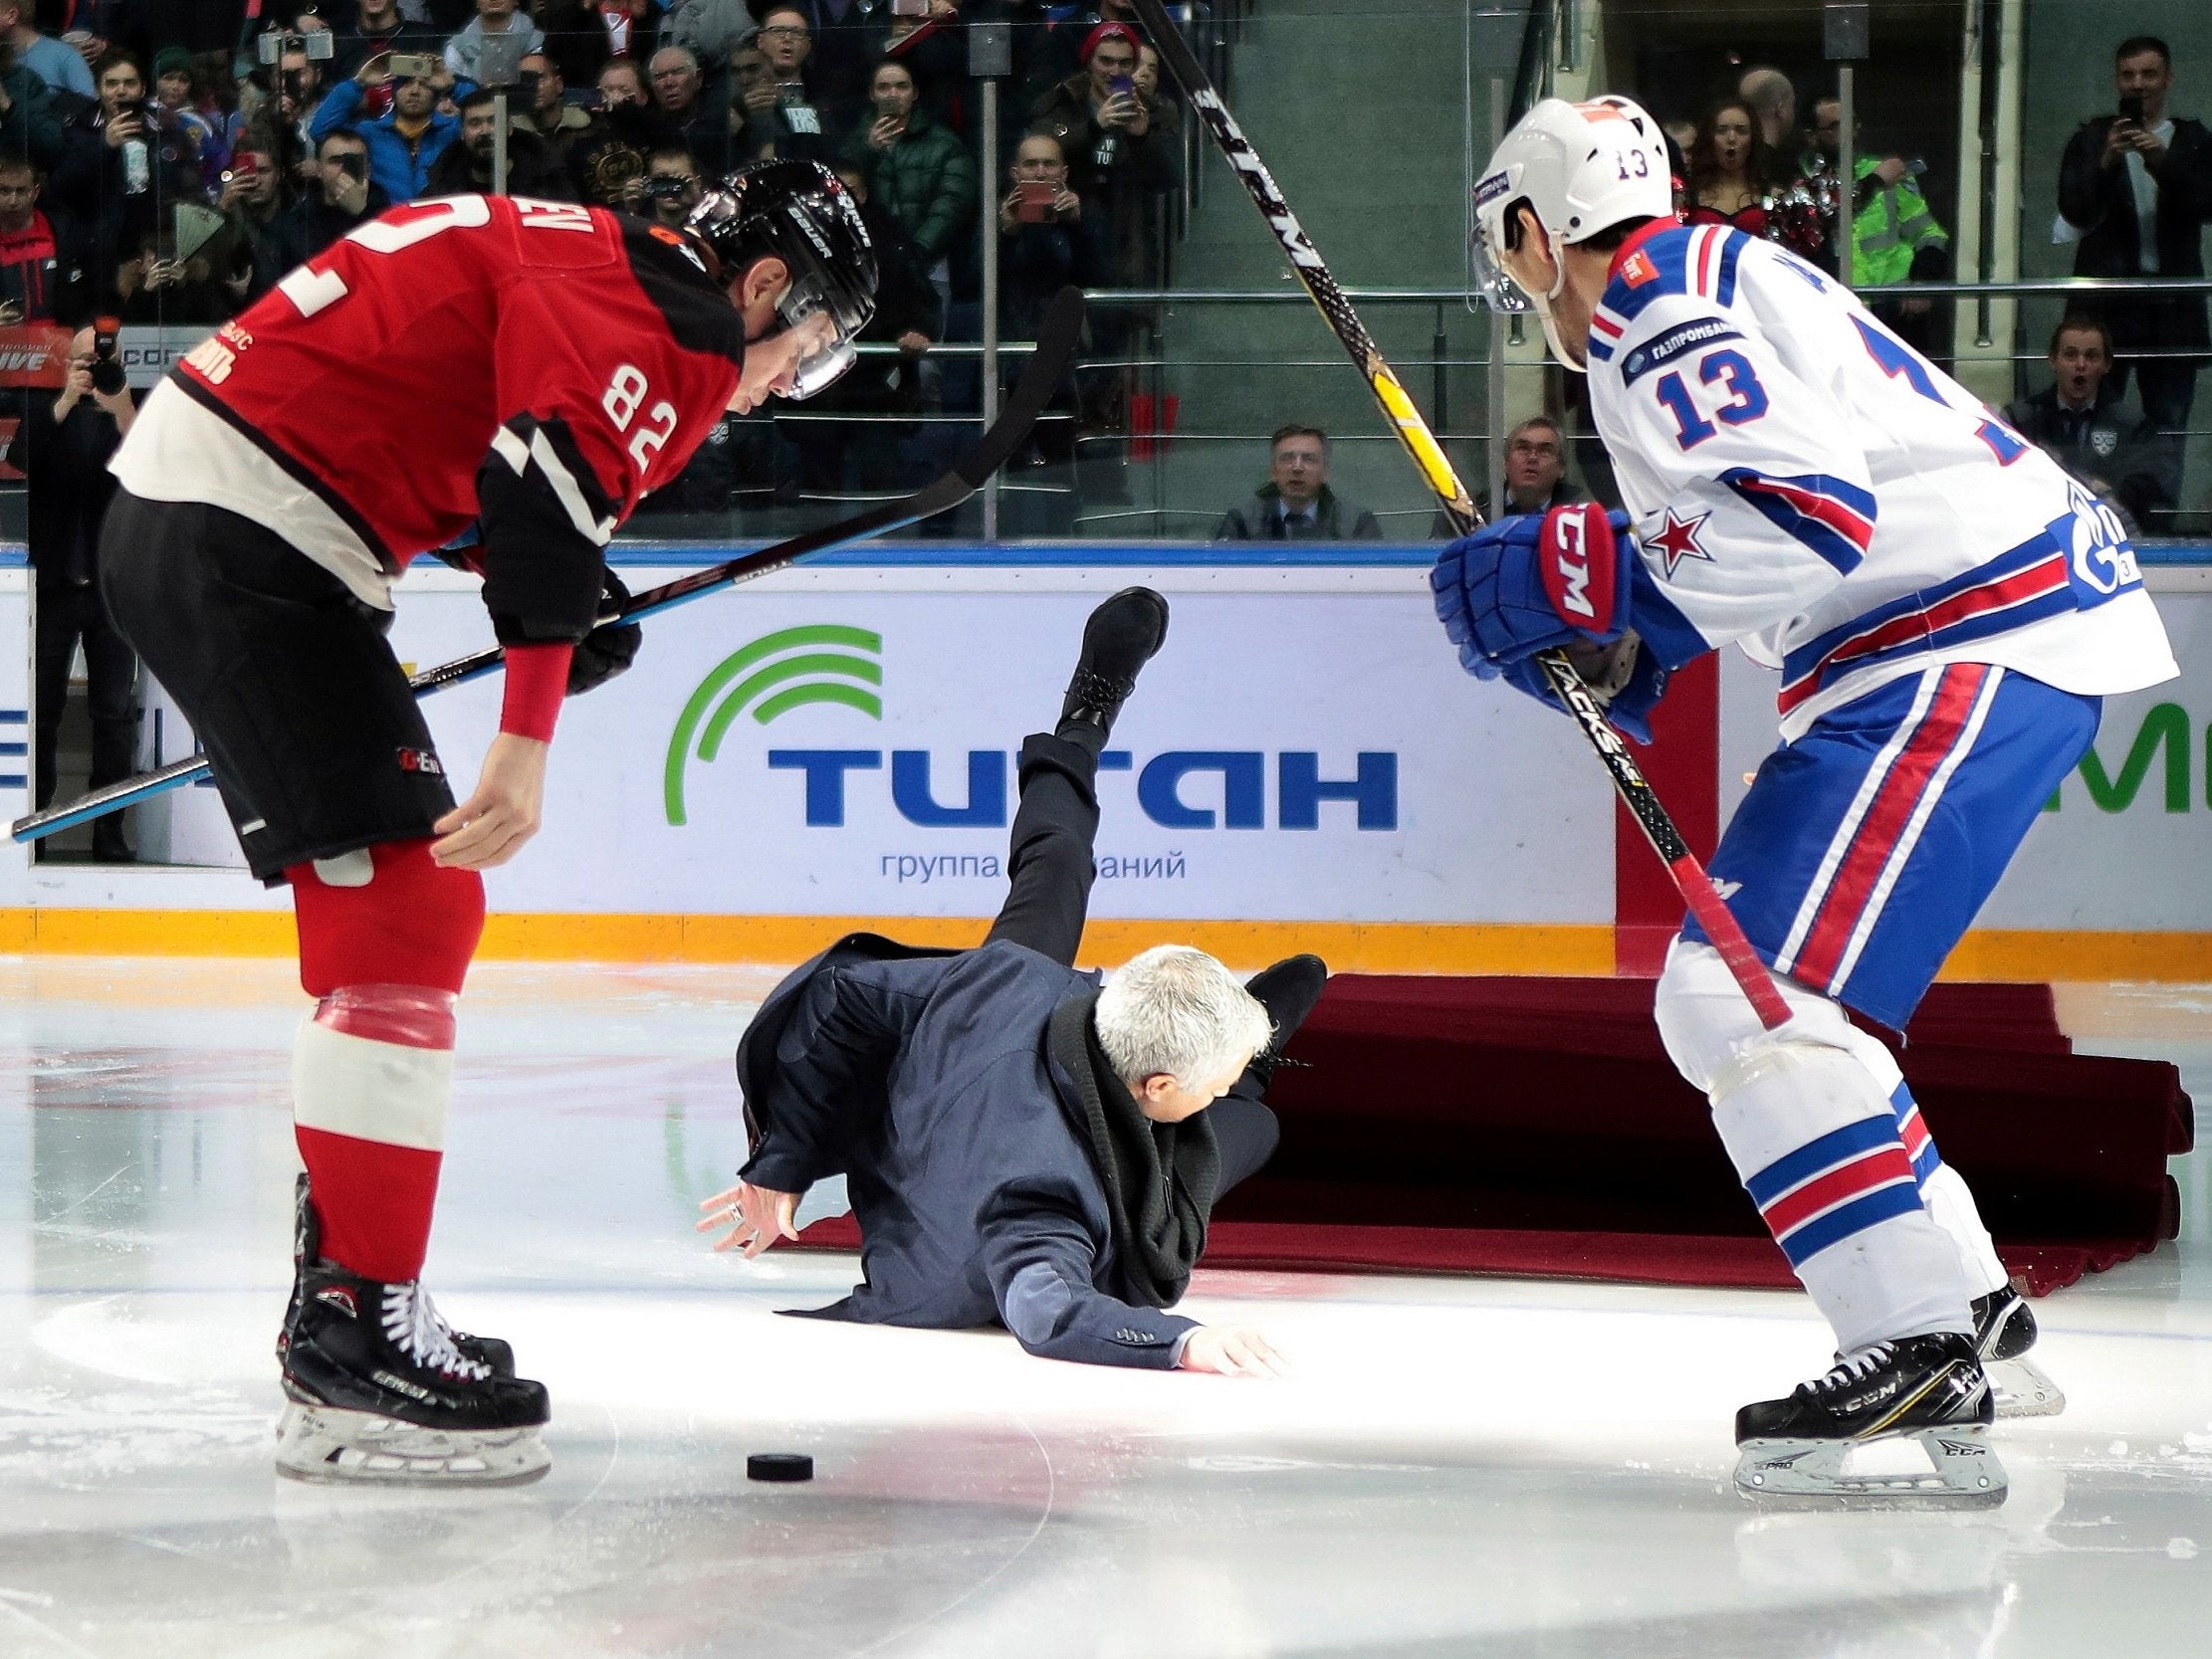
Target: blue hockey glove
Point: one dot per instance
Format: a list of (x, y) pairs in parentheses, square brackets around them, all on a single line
[(1525, 585)]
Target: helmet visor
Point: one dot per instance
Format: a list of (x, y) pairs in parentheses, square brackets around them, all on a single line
[(825, 349)]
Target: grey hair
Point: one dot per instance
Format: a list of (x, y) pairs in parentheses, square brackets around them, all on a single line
[(1175, 1009)]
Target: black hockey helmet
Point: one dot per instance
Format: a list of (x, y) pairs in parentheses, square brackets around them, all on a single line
[(801, 213)]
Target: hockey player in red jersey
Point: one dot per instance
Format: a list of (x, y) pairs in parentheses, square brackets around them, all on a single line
[(531, 368)]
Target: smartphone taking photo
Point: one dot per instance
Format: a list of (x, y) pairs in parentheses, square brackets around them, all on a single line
[(1034, 201)]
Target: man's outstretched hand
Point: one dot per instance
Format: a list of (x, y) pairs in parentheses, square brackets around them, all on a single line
[(1232, 1351), (756, 1217)]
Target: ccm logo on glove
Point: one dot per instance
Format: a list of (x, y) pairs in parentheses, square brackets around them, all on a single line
[(1577, 561)]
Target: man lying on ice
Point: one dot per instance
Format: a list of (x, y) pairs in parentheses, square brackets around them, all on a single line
[(1021, 1145)]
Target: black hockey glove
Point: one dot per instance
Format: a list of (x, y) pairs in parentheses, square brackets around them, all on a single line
[(609, 647)]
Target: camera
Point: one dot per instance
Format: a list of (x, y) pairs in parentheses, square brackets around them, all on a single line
[(413, 66), (909, 8), (319, 45), (354, 165), (2132, 107), (662, 188), (108, 375)]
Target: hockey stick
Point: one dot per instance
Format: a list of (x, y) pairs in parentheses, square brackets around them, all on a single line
[(1057, 336), (1420, 444)]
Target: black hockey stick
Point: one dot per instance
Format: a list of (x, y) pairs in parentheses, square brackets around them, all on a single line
[(1420, 444), (1057, 336)]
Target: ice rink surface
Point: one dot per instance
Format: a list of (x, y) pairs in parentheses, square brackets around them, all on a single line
[(1479, 1467)]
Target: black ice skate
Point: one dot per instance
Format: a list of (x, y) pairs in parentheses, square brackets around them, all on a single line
[(2004, 1331), (306, 1246), (1121, 636), (379, 1393), (1928, 1389)]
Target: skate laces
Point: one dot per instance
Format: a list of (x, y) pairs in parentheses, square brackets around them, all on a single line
[(1852, 1368), (412, 1324)]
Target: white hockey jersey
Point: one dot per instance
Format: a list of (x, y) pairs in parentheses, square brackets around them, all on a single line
[(1802, 481)]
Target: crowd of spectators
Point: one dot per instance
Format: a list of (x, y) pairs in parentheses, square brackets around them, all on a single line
[(180, 160), (173, 172)]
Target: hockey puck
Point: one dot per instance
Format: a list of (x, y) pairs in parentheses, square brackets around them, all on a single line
[(778, 1466)]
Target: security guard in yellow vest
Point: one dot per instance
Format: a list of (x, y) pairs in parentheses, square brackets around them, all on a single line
[(1895, 235)]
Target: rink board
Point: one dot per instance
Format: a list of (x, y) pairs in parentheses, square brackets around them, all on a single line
[(1304, 765)]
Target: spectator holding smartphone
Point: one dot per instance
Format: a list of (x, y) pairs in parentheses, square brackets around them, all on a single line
[(344, 196), (156, 288), (1045, 239), (375, 28), (914, 167), (251, 199), (123, 166), (405, 141), (1122, 154), (2137, 189)]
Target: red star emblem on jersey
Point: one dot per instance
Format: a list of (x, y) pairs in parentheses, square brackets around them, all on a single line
[(1678, 540)]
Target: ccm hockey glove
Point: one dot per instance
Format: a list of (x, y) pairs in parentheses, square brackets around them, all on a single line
[(1525, 585)]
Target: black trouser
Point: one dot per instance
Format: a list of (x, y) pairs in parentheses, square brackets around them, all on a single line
[(69, 613), (1049, 869)]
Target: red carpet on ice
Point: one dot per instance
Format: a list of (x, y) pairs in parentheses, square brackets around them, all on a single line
[(1535, 1127)]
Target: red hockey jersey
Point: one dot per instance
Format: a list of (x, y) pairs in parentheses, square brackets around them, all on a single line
[(535, 366)]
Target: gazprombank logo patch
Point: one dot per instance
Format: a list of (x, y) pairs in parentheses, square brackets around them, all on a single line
[(777, 673)]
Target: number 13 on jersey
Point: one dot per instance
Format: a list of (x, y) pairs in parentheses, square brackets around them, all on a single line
[(1729, 373)]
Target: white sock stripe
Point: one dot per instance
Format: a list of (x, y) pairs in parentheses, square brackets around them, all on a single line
[(371, 1090)]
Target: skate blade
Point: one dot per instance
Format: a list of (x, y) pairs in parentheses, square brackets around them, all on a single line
[(2021, 1388), (1962, 1473), (342, 1448)]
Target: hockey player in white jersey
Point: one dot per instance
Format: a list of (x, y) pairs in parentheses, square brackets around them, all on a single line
[(1946, 609)]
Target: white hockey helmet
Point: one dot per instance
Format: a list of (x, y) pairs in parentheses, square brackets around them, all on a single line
[(1581, 168)]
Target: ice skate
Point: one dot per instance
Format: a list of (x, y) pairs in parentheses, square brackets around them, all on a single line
[(2004, 1331), (379, 1393), (306, 1246), (1930, 1390)]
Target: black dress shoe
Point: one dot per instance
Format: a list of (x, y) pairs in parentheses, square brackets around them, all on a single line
[(1287, 990), (1119, 639)]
